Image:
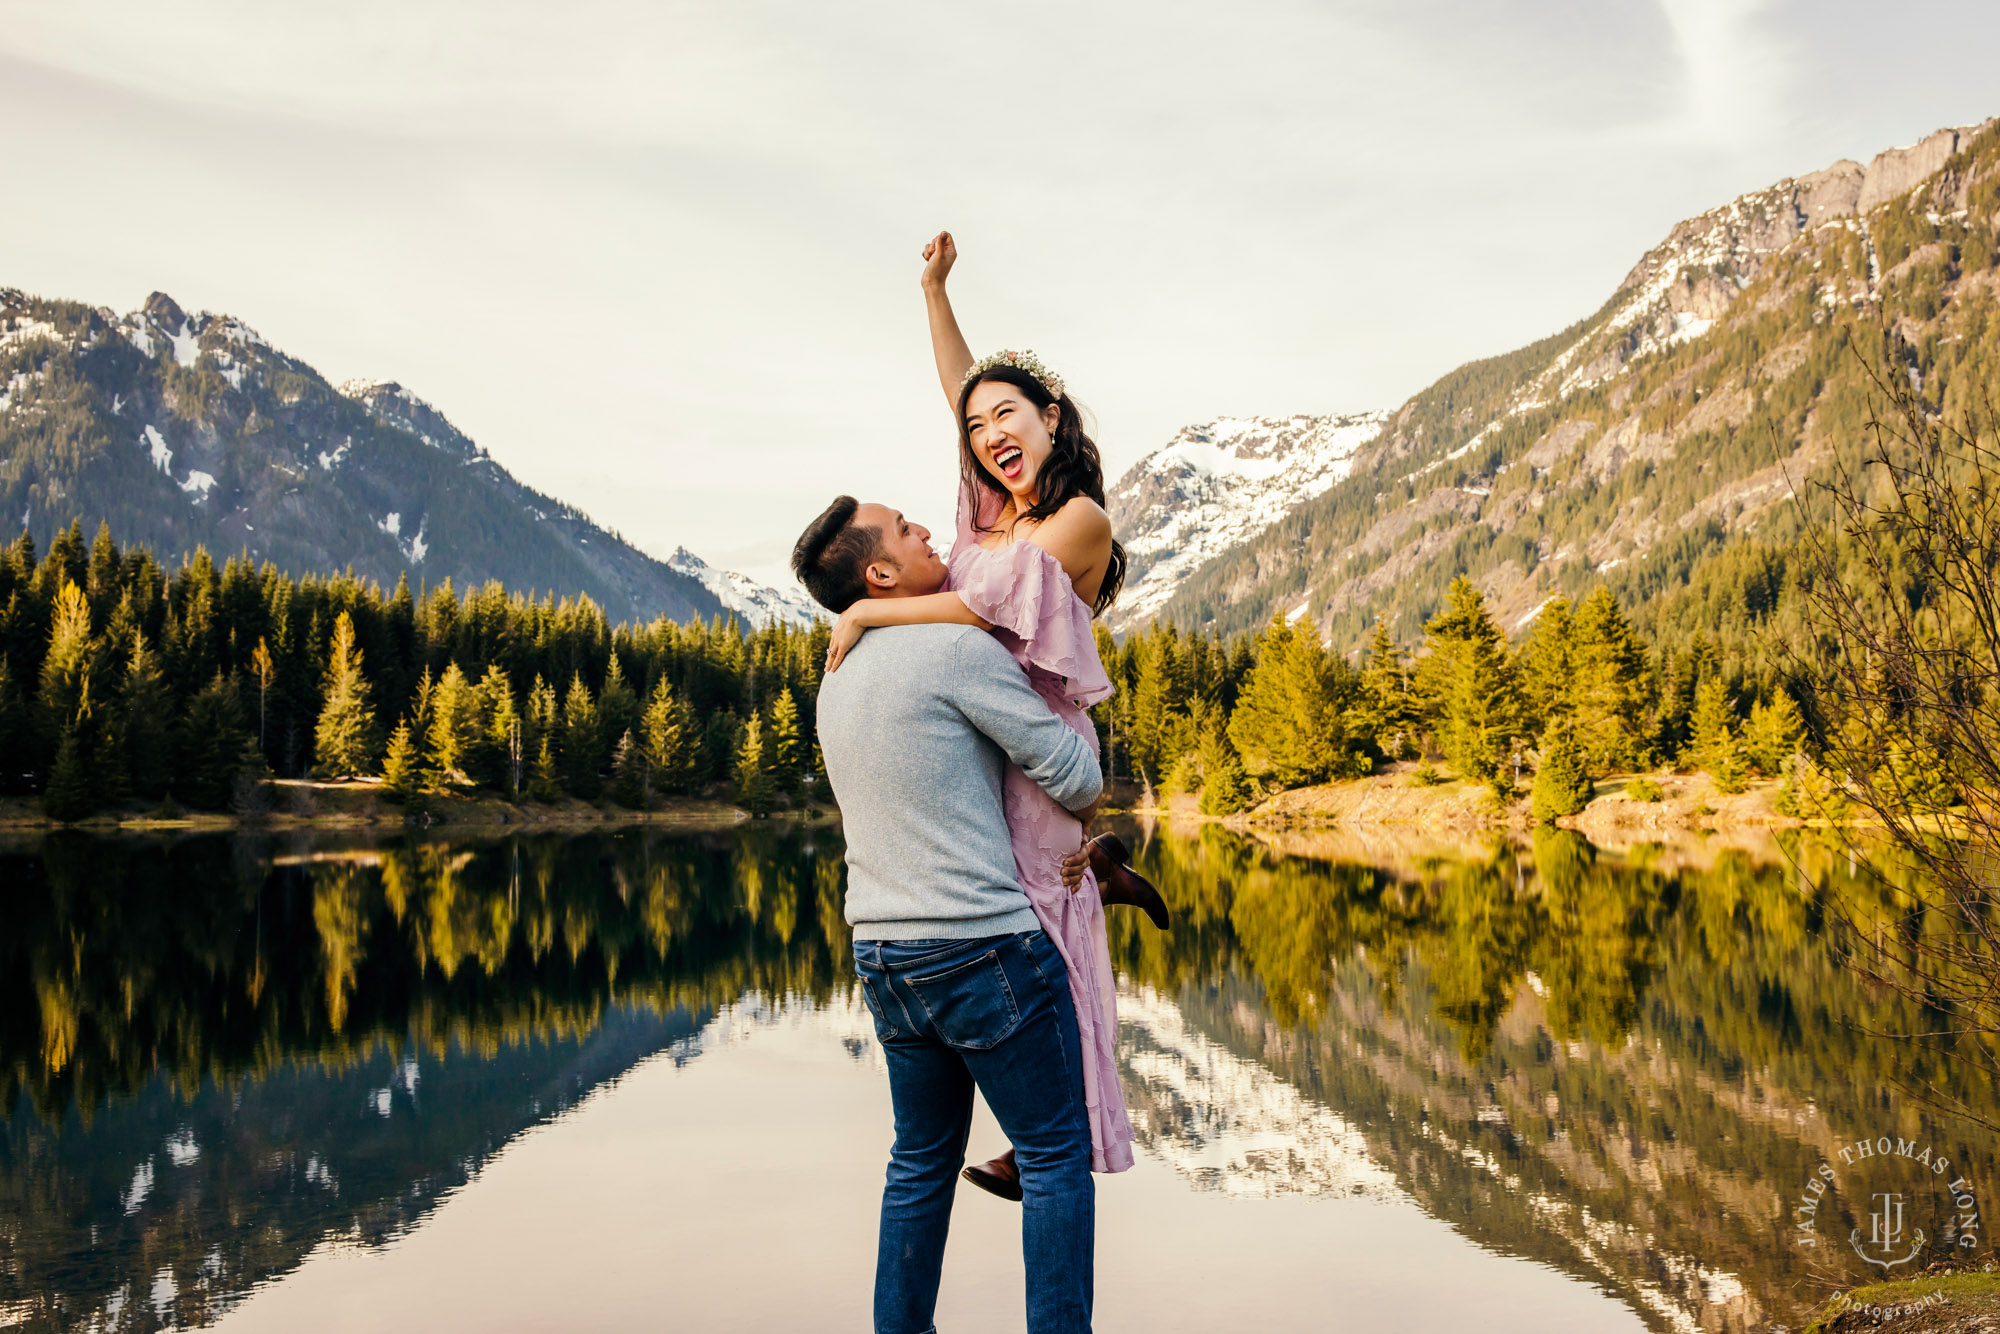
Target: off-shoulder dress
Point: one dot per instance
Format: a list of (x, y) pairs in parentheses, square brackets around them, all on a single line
[(1035, 612)]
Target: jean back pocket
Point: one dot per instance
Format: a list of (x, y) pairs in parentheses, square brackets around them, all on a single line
[(884, 1030), (972, 1005)]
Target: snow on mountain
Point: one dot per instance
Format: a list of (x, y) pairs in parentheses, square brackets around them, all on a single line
[(1217, 485), (754, 603), (185, 430)]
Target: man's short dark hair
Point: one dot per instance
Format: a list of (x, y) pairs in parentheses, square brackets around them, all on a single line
[(831, 556)]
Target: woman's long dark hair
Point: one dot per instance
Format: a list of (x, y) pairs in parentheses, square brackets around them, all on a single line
[(1073, 467)]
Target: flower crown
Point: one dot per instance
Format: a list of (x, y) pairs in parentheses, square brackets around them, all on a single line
[(1024, 360)]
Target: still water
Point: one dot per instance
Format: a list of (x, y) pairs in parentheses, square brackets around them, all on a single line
[(623, 1081)]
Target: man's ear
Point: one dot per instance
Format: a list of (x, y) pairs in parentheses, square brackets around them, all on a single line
[(880, 574)]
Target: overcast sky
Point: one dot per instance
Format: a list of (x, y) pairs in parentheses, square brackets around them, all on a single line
[(661, 258)]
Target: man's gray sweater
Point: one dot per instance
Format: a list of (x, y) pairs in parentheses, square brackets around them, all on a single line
[(917, 727)]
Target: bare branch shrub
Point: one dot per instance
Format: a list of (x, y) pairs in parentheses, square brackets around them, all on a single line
[(1902, 557)]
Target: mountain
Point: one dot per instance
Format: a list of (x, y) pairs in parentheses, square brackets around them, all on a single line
[(753, 603), (183, 430), (1653, 446), (1214, 487)]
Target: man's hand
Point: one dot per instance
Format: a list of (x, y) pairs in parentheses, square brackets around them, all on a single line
[(939, 255)]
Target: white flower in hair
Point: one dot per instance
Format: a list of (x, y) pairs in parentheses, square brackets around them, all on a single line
[(1024, 360)]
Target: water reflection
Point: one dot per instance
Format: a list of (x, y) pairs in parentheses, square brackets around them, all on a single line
[(221, 1052), (1621, 1065)]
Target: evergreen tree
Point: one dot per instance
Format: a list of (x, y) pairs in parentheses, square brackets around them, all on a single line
[(67, 669), (452, 726), (1471, 687), (1713, 747), (101, 577), (1561, 785), (582, 742), (783, 744), (543, 713), (1918, 776), (493, 733), (1156, 734), (665, 733), (212, 741), (146, 732), (1774, 734), (402, 776), (16, 735), (264, 669), (1809, 793), (752, 776), (344, 740), (1225, 788), (715, 757), (1676, 704), (544, 780), (631, 782), (1549, 666), (69, 795), (1184, 776), (1287, 726), (1389, 715), (1609, 694), (617, 707)]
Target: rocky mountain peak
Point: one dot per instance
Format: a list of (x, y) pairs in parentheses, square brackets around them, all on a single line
[(1641, 442), (162, 310), (1218, 484), (389, 402), (753, 603), (191, 430)]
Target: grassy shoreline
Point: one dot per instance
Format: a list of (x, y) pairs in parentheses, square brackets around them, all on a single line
[(363, 804), (1389, 800), (1689, 803), (1961, 1303)]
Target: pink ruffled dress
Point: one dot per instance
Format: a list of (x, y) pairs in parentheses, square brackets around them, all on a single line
[(1035, 612)]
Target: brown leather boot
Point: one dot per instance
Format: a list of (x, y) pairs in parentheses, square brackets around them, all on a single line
[(1117, 882), (1000, 1176)]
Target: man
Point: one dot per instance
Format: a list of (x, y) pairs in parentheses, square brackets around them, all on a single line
[(966, 990)]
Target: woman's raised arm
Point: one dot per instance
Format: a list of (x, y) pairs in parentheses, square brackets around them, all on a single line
[(954, 358)]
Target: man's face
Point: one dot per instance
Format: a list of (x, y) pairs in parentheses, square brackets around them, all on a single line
[(907, 567)]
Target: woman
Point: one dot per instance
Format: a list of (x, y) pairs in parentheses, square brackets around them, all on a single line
[(1034, 560)]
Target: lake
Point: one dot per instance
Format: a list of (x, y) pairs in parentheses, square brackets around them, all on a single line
[(614, 1080)]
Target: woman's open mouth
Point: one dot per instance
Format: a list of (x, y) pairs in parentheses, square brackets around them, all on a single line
[(1008, 460)]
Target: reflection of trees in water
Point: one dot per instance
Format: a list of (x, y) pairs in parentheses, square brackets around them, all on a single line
[(1616, 1064), (233, 1051), (213, 958)]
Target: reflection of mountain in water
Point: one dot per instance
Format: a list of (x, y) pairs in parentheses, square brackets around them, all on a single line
[(219, 1053), (1622, 1069), (1227, 1123), (162, 1209)]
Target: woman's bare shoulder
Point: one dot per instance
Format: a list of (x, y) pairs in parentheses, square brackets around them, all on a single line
[(1082, 516)]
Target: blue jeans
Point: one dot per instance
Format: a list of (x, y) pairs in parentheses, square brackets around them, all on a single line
[(996, 1014)]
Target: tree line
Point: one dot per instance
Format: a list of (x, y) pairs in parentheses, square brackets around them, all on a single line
[(122, 683), (1580, 696)]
